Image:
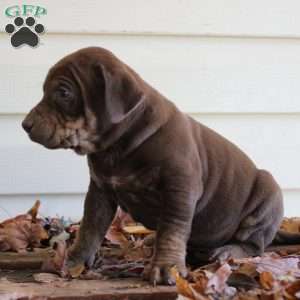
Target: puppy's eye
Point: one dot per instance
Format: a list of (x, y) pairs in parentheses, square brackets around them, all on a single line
[(64, 93)]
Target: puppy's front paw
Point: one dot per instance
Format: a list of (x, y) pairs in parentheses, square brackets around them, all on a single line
[(224, 253), (160, 273), (77, 261)]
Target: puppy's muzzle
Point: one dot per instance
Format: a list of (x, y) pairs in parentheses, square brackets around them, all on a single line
[(27, 125), (40, 129)]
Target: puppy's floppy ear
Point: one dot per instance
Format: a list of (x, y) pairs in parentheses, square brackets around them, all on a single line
[(122, 95)]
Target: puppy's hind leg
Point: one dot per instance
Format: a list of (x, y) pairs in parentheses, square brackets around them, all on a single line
[(259, 227)]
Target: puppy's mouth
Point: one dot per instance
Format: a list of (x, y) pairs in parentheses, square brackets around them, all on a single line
[(44, 140), (77, 149), (78, 146), (74, 140)]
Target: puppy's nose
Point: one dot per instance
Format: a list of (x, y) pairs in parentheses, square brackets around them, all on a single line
[(27, 125)]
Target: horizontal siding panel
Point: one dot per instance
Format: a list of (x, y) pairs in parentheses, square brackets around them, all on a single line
[(194, 17), (28, 168), (63, 205), (70, 206), (291, 203), (270, 141), (198, 74)]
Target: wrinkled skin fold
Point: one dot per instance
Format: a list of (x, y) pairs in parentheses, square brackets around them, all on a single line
[(203, 195)]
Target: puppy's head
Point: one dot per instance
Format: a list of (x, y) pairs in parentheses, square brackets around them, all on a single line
[(86, 95)]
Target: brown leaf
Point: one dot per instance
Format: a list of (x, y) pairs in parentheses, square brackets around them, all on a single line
[(137, 229), (242, 280), (248, 269), (121, 219), (76, 271), (38, 233), (46, 277), (15, 233), (293, 288), (91, 275), (200, 284), (183, 286), (33, 211), (21, 232), (273, 263), (218, 281), (291, 225), (115, 236), (266, 280), (278, 266), (56, 263), (247, 296)]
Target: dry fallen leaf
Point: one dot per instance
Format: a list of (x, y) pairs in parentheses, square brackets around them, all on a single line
[(129, 236), (23, 231), (242, 280), (38, 233), (56, 263), (33, 211), (247, 296), (270, 262), (115, 236), (218, 281), (201, 281), (114, 233), (291, 225), (137, 229), (76, 271), (248, 269), (91, 275), (183, 286), (279, 266), (122, 219), (266, 280), (293, 288), (46, 277)]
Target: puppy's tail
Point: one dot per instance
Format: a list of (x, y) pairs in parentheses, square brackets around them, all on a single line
[(288, 238)]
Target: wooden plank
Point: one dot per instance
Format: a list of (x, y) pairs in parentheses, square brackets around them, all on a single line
[(190, 17), (126, 289), (211, 75), (286, 249), (21, 261)]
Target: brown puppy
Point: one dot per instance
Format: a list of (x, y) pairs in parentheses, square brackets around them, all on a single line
[(201, 193)]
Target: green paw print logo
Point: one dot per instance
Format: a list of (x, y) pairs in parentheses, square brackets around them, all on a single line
[(24, 30)]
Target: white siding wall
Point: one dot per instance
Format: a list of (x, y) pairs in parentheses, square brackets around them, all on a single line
[(233, 65)]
